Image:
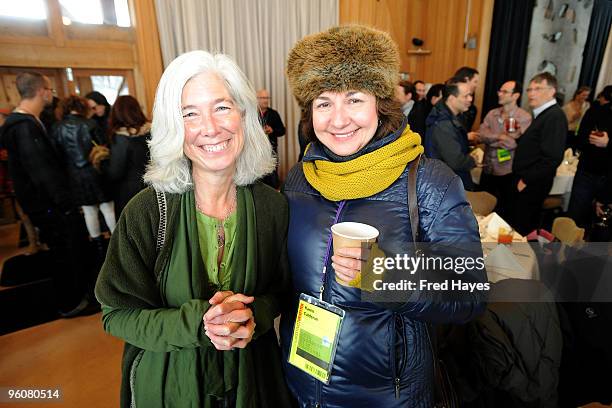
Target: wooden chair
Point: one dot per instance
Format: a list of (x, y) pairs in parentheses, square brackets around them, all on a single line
[(566, 230), (482, 202)]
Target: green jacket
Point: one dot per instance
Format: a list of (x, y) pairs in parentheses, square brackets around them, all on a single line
[(134, 309)]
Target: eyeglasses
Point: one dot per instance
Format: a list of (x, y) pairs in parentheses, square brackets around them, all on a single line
[(263, 97), (538, 88)]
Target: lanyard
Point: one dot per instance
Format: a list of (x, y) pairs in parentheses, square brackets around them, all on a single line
[(327, 251)]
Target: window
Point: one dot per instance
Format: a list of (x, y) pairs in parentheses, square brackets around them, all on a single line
[(109, 12), (30, 9)]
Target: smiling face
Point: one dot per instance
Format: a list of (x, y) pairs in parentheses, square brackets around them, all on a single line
[(344, 121), (214, 135)]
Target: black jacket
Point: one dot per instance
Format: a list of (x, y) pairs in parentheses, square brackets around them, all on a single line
[(595, 160), (511, 355), (273, 119), (418, 115), (447, 140), (39, 179), (126, 166), (540, 149), (75, 135)]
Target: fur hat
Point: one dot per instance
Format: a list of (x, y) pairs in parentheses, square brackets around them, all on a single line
[(343, 58)]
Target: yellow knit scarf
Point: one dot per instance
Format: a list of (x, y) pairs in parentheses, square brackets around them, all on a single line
[(366, 175)]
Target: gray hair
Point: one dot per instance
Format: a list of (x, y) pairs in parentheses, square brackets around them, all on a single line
[(169, 169)]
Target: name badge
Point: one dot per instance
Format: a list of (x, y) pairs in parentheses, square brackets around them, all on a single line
[(503, 155), (315, 337)]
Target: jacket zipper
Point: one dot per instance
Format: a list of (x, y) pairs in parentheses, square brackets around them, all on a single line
[(398, 324), (394, 371)]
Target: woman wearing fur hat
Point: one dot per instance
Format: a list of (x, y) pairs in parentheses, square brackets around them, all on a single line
[(356, 168)]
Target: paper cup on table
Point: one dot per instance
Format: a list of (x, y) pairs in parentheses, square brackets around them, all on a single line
[(495, 224), (352, 235)]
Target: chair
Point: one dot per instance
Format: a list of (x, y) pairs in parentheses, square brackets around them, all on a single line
[(566, 230), (482, 202)]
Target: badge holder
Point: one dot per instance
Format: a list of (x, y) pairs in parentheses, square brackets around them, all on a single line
[(315, 337), (503, 155)]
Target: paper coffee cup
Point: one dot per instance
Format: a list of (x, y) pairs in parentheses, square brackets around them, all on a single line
[(352, 235)]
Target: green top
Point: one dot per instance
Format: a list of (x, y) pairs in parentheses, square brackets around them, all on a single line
[(209, 248)]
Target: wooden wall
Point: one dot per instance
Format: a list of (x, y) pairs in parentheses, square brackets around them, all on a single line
[(440, 23), (51, 44)]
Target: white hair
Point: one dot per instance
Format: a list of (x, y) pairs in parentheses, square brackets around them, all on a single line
[(169, 169)]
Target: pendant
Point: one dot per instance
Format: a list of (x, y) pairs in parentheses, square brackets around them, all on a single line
[(220, 236)]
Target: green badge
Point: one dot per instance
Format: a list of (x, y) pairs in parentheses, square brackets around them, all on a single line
[(503, 155), (315, 337)]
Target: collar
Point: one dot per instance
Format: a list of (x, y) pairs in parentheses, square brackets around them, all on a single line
[(543, 107), (407, 107)]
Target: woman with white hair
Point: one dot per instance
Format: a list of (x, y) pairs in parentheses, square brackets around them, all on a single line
[(198, 261)]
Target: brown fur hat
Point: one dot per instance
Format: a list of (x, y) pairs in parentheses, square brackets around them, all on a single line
[(343, 58)]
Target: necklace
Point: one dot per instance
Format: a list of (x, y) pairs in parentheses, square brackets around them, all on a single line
[(221, 222)]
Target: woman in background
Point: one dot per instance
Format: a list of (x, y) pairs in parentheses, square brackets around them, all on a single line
[(574, 111), (74, 137), (99, 111), (124, 163)]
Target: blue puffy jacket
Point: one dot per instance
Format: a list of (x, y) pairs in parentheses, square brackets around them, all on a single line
[(383, 357)]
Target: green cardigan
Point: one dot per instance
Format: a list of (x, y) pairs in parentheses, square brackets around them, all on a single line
[(128, 289)]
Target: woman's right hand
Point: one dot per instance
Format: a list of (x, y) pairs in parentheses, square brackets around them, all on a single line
[(229, 323)]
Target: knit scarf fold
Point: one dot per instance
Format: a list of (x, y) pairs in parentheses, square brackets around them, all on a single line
[(366, 175), (223, 371)]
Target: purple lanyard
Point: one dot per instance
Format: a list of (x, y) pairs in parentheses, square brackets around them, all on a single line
[(327, 251)]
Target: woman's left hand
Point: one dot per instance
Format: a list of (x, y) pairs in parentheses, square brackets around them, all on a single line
[(229, 323), (347, 264)]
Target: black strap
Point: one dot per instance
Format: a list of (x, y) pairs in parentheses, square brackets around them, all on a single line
[(444, 394), (413, 207)]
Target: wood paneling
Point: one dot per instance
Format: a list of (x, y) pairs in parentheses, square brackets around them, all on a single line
[(440, 23), (89, 46), (149, 65)]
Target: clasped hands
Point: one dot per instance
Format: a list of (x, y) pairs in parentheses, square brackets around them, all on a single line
[(229, 322)]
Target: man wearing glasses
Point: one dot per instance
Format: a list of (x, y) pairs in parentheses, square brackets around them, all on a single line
[(539, 153), (42, 190), (499, 132)]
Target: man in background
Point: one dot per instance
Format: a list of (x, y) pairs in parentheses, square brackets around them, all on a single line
[(446, 137), (41, 188), (595, 165), (405, 94), (273, 127), (421, 90), (539, 153), (499, 132), (472, 78)]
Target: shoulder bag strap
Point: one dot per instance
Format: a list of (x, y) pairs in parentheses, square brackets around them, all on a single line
[(444, 394), (413, 206)]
